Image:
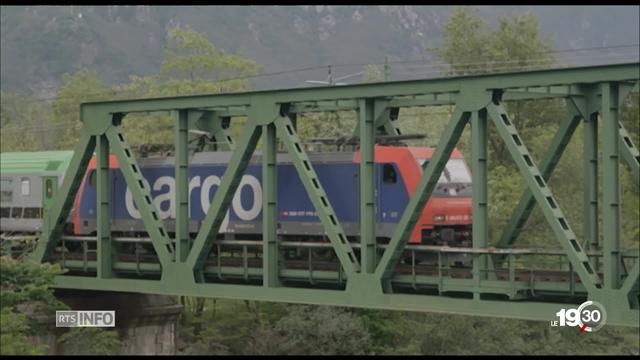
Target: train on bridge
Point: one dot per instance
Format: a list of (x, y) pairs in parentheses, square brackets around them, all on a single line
[(30, 181)]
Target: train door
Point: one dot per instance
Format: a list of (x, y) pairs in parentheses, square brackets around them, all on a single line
[(387, 196), (49, 190)]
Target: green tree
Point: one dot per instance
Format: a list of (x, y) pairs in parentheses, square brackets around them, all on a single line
[(25, 123), (465, 38), (192, 65), (14, 331), (91, 341), (25, 288), (471, 47), (27, 281), (322, 330), (24, 285), (82, 86)]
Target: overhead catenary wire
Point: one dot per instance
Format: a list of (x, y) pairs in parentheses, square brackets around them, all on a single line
[(435, 70), (111, 93)]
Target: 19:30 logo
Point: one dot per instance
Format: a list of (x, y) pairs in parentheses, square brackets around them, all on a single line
[(589, 317)]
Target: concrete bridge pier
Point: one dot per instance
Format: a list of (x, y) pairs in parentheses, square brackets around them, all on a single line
[(146, 324)]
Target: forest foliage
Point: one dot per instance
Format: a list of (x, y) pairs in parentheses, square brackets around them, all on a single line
[(193, 65)]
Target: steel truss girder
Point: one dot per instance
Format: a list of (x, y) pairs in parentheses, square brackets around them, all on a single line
[(547, 165), (162, 244), (270, 252), (538, 187), (384, 97), (480, 226), (577, 109), (222, 198), (367, 122), (182, 239), (55, 217), (422, 193), (105, 251), (629, 152), (610, 185), (593, 74), (214, 123), (527, 310), (317, 195)]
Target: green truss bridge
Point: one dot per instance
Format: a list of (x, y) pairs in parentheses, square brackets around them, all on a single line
[(503, 281)]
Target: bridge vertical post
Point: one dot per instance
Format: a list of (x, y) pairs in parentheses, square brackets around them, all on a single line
[(270, 252), (182, 186), (611, 186), (591, 235), (428, 180), (104, 247), (367, 186), (480, 231)]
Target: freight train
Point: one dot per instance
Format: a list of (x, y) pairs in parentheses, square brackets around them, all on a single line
[(30, 180)]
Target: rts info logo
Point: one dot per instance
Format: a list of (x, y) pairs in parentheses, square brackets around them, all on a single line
[(590, 317)]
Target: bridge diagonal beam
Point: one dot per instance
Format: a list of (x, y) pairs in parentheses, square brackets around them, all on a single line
[(538, 187), (547, 165), (629, 152), (56, 216), (632, 278), (210, 225), (141, 192), (412, 212), (317, 195)]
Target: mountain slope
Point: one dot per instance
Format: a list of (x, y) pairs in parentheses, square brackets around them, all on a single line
[(40, 43)]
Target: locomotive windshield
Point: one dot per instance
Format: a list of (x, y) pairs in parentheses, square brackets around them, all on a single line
[(454, 172)]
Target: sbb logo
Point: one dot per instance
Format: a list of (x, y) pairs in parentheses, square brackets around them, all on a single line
[(590, 317)]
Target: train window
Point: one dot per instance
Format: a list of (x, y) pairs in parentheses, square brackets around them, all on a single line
[(443, 176), (49, 188), (6, 196), (25, 186), (389, 174), (458, 172), (6, 190), (4, 212), (16, 212), (31, 213)]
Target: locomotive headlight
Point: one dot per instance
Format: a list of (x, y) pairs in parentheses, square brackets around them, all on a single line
[(438, 217)]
